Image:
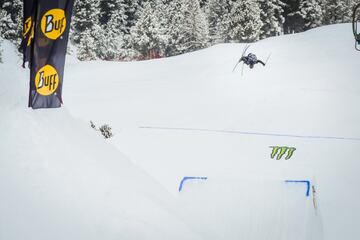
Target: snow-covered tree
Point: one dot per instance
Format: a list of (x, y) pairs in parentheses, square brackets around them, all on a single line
[(87, 47), (245, 23), (218, 17), (11, 20), (112, 29), (113, 23), (85, 16), (86, 30), (293, 21), (203, 3), (7, 26), (311, 12), (148, 36), (336, 11), (117, 18), (272, 17), (13, 7), (132, 12), (195, 27), (174, 21)]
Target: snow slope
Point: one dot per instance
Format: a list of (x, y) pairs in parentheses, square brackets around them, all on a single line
[(58, 180), (191, 116)]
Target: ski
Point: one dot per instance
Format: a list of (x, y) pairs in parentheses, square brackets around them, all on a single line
[(268, 58), (243, 53)]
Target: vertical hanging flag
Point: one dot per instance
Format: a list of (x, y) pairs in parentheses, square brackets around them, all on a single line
[(48, 51), (28, 29)]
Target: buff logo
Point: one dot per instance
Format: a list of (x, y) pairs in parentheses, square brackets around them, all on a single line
[(53, 23), (27, 26), (279, 152), (46, 80)]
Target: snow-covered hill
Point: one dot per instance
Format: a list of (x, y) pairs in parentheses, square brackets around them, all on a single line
[(189, 116), (58, 180)]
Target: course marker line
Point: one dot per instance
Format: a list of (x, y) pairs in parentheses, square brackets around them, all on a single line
[(253, 133)]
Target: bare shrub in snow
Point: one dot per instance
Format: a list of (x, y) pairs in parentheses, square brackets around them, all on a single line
[(105, 130)]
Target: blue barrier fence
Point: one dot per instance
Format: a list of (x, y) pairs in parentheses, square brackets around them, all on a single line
[(188, 179), (307, 182)]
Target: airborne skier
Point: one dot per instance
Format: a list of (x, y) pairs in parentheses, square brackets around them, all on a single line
[(251, 60)]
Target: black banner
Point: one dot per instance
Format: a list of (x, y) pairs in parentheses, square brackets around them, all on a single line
[(28, 29), (48, 51)]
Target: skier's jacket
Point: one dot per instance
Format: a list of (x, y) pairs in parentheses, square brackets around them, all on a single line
[(251, 59)]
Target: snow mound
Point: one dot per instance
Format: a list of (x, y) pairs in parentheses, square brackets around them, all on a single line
[(60, 180)]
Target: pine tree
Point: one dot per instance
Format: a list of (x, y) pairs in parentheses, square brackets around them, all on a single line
[(87, 46), (218, 12), (338, 11), (7, 26), (272, 17), (86, 30), (132, 12), (13, 7), (107, 7), (203, 3), (113, 24), (311, 12), (113, 15), (85, 16), (147, 36), (174, 20), (11, 20), (195, 27), (293, 22), (246, 23)]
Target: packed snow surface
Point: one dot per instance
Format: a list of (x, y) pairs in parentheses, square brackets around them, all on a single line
[(189, 116)]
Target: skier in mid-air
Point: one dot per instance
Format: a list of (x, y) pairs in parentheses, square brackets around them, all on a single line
[(251, 60)]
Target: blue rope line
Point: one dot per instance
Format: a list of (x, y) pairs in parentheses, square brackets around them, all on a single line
[(254, 133)]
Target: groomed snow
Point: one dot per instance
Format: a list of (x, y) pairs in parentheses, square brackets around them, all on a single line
[(58, 180), (188, 116)]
